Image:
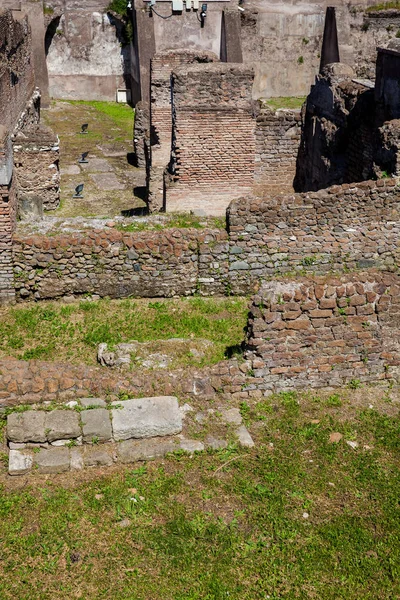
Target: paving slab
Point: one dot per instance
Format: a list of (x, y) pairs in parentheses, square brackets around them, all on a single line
[(62, 425), (28, 426), (133, 450), (146, 417), (53, 460), (106, 181), (191, 445), (96, 425), (70, 170), (96, 164), (231, 415), (19, 462)]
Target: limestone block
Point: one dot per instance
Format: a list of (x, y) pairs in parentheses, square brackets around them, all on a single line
[(53, 460), (94, 457), (146, 417), (191, 445), (133, 450), (19, 462), (28, 426), (244, 437), (96, 424), (62, 424)]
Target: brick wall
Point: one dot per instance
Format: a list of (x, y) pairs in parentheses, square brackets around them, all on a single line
[(277, 144), (213, 136), (162, 66), (16, 68), (8, 205), (325, 332)]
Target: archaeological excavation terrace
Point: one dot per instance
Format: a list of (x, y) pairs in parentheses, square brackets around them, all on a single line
[(176, 150)]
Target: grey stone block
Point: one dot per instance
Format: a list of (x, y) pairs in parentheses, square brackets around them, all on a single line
[(62, 425), (96, 457), (231, 415), (133, 450), (244, 437), (19, 462), (215, 443), (28, 426), (96, 424), (76, 459), (191, 445), (146, 417), (85, 402), (53, 460)]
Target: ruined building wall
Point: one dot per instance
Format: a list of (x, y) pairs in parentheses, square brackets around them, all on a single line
[(277, 143), (87, 58), (316, 333), (213, 136), (344, 228)]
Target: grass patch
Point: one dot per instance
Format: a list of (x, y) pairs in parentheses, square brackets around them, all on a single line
[(179, 530), (53, 331), (286, 102), (121, 114), (179, 220), (384, 6)]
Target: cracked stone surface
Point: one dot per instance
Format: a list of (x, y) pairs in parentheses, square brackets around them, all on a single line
[(146, 417), (28, 426), (54, 460), (19, 462), (62, 424), (96, 425)]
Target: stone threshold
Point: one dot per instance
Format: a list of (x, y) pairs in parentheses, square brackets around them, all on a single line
[(91, 432)]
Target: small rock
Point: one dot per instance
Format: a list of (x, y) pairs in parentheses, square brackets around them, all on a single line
[(99, 496), (215, 443), (124, 523), (186, 408), (191, 445), (71, 404), (314, 421), (353, 445), (76, 459), (335, 437), (244, 436), (200, 417), (305, 515), (231, 415)]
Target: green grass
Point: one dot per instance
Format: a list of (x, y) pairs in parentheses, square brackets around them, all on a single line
[(121, 114), (179, 220), (178, 530), (384, 6), (286, 102), (53, 331)]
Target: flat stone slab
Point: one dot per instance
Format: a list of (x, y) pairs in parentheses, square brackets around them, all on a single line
[(96, 425), (19, 462), (70, 170), (244, 437), (96, 164), (215, 443), (53, 460), (191, 445), (231, 415), (28, 426), (146, 417), (106, 181), (133, 450), (62, 425)]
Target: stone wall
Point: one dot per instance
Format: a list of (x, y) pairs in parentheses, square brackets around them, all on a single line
[(277, 144), (8, 205), (213, 137), (325, 332), (343, 228)]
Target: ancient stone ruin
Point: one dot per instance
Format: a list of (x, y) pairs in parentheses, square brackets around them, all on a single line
[(310, 196)]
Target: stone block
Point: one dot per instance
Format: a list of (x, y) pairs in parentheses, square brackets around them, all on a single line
[(76, 459), (19, 462), (98, 402), (53, 460), (96, 424), (146, 417), (96, 457), (215, 443), (191, 445), (244, 437), (231, 415), (62, 425), (133, 450), (28, 426)]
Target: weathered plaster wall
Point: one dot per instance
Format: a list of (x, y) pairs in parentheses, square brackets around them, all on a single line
[(85, 58), (325, 332)]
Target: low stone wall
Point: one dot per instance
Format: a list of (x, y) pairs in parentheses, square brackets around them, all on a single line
[(342, 228), (27, 382), (325, 332), (277, 143)]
